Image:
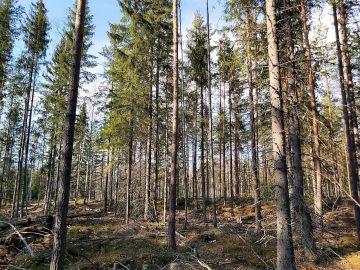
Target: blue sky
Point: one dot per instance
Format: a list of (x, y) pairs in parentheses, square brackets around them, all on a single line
[(108, 11)]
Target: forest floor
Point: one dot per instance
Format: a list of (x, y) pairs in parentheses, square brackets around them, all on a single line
[(98, 241)]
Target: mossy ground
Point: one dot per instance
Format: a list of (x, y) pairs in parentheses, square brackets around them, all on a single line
[(99, 241)]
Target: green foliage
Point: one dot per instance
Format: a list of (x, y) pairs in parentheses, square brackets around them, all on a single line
[(9, 15), (58, 71), (197, 52), (36, 31), (139, 43)]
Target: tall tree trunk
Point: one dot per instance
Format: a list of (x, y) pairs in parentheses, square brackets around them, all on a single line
[(265, 169), (149, 157), (60, 230), (352, 163), (77, 188), (231, 178), (129, 177), (348, 77), (202, 153), (157, 137), (194, 155), (253, 129), (27, 142), (183, 116), (174, 142), (106, 184), (211, 142), (314, 114), (302, 212), (166, 162), (285, 250), (51, 161), (223, 138)]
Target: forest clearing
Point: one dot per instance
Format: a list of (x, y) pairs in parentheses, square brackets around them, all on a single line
[(179, 134)]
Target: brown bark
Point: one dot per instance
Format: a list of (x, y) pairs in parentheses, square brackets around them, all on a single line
[(348, 77), (57, 259), (352, 163), (314, 115), (301, 210)]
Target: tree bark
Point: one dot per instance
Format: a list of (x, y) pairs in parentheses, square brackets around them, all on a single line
[(149, 157), (352, 162), (314, 114), (303, 217), (348, 77), (253, 129), (211, 142), (129, 178), (174, 142), (60, 230), (231, 178), (285, 250)]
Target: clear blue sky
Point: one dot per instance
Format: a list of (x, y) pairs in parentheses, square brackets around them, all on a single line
[(108, 11)]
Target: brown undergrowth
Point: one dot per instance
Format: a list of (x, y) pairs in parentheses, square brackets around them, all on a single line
[(98, 241)]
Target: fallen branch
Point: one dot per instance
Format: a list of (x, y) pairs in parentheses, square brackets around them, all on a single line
[(122, 265), (180, 235), (30, 251), (203, 264)]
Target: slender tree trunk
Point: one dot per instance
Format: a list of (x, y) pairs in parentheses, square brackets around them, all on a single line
[(166, 162), (253, 130), (231, 180), (265, 169), (211, 142), (51, 161), (77, 189), (299, 204), (348, 77), (352, 163), (220, 143), (57, 259), (285, 250), (223, 138), (157, 137), (27, 142), (174, 142), (129, 177), (8, 147), (333, 148), (314, 114), (194, 155), (106, 184), (202, 154), (149, 158), (183, 128), (236, 161)]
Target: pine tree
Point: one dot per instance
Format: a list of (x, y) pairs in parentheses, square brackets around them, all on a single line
[(174, 141), (9, 15), (57, 260), (198, 61)]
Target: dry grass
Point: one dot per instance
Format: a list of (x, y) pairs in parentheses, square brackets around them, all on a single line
[(97, 242)]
